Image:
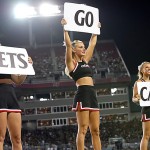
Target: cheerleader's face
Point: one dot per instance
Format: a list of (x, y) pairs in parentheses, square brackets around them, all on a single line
[(146, 69), (79, 49)]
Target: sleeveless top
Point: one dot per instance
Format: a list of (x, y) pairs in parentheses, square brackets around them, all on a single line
[(82, 69)]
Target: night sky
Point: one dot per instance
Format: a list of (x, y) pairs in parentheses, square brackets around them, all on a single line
[(127, 22)]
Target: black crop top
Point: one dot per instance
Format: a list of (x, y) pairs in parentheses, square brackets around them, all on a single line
[(81, 69), (5, 76)]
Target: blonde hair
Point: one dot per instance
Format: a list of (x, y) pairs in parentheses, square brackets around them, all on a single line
[(140, 67), (73, 46), (75, 42)]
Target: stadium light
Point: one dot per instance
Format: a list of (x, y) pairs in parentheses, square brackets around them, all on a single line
[(49, 10), (23, 10)]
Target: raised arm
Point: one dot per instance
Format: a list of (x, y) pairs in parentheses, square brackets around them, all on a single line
[(68, 54), (91, 46)]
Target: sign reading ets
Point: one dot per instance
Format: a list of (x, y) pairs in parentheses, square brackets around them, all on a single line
[(15, 61)]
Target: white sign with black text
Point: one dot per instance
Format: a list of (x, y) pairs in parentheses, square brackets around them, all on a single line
[(15, 61), (144, 92), (81, 18)]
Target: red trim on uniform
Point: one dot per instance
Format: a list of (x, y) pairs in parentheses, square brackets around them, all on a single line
[(79, 107), (144, 119), (10, 110)]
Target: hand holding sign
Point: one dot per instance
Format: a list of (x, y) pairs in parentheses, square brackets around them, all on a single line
[(63, 22), (81, 18), (30, 60)]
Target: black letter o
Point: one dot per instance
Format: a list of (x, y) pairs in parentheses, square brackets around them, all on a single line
[(86, 19)]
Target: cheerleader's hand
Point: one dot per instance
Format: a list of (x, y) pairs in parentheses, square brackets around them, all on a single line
[(63, 22), (30, 60)]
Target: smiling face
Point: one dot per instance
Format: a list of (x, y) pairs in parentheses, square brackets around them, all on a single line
[(145, 69), (79, 48)]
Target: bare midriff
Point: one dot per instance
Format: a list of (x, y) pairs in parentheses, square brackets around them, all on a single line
[(84, 81)]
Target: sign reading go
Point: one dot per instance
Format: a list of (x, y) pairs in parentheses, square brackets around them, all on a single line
[(81, 18)]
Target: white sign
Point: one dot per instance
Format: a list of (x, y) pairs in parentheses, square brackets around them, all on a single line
[(144, 92), (81, 18), (15, 61)]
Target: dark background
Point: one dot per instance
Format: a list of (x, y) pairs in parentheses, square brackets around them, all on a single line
[(127, 22)]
